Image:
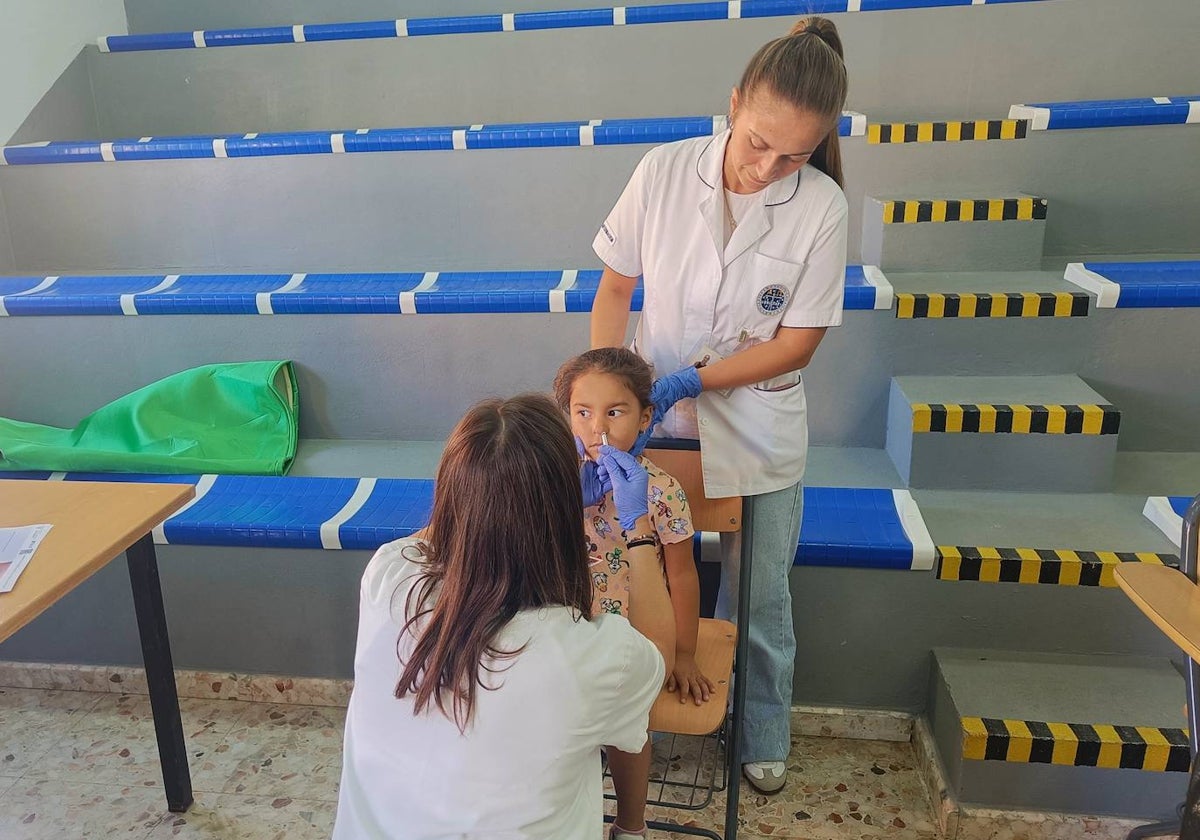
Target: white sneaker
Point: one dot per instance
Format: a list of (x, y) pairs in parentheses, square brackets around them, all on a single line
[(766, 776)]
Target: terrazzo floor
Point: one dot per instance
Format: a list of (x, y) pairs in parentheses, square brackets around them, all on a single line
[(79, 764)]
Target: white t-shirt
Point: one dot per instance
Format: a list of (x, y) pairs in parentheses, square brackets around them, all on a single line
[(529, 763)]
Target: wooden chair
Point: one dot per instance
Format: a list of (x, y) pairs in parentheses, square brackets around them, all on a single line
[(1171, 599), (718, 643)]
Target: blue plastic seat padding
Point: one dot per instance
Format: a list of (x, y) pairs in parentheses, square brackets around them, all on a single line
[(852, 527), (841, 527), (522, 21), (434, 138), (859, 294), (1152, 284), (1105, 113), (329, 294)]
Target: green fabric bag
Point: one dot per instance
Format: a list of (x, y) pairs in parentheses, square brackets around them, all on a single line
[(227, 418)]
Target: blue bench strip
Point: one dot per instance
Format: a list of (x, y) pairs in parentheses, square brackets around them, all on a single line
[(437, 138), (1117, 112), (1179, 504), (1147, 285), (328, 294), (842, 526), (522, 21)]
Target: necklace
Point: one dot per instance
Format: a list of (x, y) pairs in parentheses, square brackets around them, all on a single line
[(729, 213)]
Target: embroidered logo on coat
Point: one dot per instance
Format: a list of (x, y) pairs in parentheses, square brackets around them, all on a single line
[(772, 299)]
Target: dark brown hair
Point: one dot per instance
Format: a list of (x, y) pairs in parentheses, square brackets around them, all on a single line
[(505, 535), (634, 371), (807, 69)]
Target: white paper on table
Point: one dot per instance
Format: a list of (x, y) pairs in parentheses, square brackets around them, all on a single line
[(16, 547)]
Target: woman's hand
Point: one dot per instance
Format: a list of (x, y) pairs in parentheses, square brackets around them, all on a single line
[(593, 478), (687, 679), (630, 484), (664, 393)]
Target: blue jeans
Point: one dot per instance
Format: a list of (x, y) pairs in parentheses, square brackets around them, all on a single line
[(766, 733)]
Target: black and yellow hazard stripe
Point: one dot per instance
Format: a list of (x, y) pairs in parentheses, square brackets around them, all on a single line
[(951, 131), (1060, 567), (911, 211), (992, 305), (1075, 744), (984, 418)]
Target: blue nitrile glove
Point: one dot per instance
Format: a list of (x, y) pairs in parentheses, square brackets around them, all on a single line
[(593, 478), (630, 484), (664, 393)]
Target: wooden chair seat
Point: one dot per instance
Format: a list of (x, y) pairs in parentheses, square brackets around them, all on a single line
[(1168, 599), (715, 643)]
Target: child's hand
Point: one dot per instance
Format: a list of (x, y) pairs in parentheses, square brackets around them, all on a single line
[(688, 681)]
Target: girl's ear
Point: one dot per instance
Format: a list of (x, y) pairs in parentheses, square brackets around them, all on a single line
[(647, 415)]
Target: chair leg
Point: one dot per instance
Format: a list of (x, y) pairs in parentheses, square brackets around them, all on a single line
[(1169, 828)]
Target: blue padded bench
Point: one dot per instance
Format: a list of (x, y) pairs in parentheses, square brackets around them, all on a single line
[(307, 294), (513, 22), (1109, 113), (1167, 513), (363, 140), (1139, 285), (879, 529)]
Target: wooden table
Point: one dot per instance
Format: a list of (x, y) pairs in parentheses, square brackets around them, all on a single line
[(92, 523)]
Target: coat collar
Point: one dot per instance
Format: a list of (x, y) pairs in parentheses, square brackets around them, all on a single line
[(712, 159)]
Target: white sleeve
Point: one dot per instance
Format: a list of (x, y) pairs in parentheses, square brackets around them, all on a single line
[(628, 685), (819, 299), (619, 241)]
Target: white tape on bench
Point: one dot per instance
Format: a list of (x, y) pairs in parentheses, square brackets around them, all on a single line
[(205, 484), (402, 28), (198, 38), (40, 287), (1193, 111), (884, 293), (924, 551), (262, 300), (298, 33), (1106, 291), (128, 302), (1159, 511), (508, 22), (408, 300), (1038, 118), (330, 539), (558, 295), (618, 15)]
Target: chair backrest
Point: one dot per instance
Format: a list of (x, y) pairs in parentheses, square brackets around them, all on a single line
[(712, 515)]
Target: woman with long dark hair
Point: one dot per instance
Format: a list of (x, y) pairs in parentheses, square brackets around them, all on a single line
[(483, 688)]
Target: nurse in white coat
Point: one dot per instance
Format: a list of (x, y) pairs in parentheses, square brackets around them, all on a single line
[(741, 242)]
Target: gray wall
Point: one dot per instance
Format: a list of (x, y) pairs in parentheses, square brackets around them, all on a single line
[(67, 110), (971, 63), (864, 637), (411, 377), (172, 15)]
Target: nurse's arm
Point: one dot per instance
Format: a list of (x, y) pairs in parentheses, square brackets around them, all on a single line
[(610, 312), (791, 349)]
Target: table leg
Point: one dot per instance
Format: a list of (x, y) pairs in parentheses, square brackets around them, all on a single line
[(160, 672)]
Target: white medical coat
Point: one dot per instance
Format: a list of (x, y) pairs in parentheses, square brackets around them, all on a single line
[(528, 768), (784, 265)]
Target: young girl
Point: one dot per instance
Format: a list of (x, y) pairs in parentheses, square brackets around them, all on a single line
[(606, 392)]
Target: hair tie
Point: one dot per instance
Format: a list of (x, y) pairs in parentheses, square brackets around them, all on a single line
[(813, 30)]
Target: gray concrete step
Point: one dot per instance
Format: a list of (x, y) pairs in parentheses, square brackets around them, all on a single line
[(1060, 733), (1064, 539), (932, 230), (1002, 432)]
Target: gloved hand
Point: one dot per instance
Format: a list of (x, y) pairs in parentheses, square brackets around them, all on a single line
[(664, 393), (630, 484), (593, 478)]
